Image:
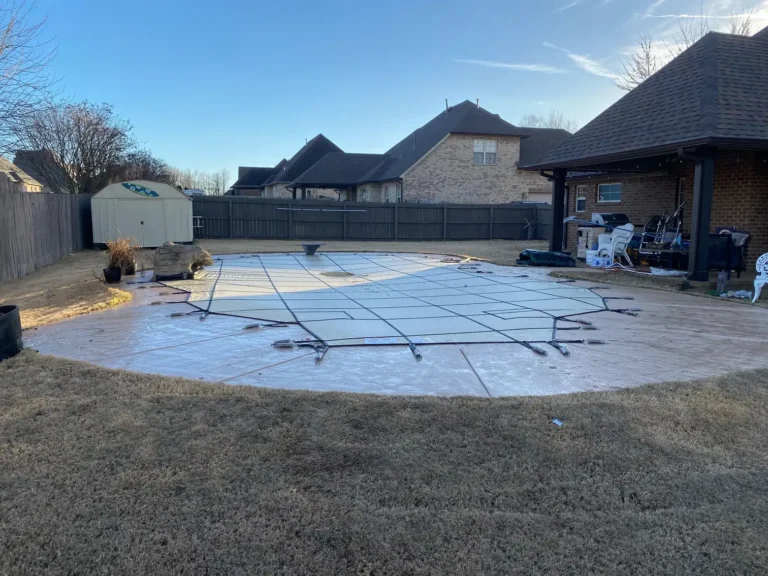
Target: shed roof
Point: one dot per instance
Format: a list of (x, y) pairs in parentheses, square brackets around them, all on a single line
[(140, 189), (714, 92)]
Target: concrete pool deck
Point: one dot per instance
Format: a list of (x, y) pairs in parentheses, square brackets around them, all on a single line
[(675, 337)]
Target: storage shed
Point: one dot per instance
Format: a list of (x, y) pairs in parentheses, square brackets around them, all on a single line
[(150, 212)]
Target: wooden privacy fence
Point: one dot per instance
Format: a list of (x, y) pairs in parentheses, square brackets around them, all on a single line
[(234, 217), (39, 229)]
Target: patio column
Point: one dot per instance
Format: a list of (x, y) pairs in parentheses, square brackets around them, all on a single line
[(558, 209), (703, 187)]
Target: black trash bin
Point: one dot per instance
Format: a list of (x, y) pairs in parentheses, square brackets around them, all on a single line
[(10, 332)]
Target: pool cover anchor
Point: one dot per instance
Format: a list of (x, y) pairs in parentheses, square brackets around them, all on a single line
[(558, 346), (532, 348), (414, 350)]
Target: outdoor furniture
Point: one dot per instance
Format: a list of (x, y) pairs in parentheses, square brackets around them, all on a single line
[(615, 243), (725, 255), (762, 275)]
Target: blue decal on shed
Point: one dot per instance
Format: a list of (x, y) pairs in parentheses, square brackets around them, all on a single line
[(140, 190)]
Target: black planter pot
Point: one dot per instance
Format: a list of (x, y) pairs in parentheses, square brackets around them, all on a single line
[(112, 275), (10, 332)]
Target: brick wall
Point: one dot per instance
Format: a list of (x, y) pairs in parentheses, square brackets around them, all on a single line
[(641, 198), (740, 198), (448, 174)]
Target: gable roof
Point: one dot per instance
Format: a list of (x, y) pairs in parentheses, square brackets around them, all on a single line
[(252, 177), (37, 163), (539, 143), (339, 169), (464, 118), (304, 159), (713, 92), (16, 174)]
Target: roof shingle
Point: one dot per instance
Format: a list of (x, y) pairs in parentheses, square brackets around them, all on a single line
[(715, 90)]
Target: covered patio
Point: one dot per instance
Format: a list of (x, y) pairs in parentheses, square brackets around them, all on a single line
[(695, 132)]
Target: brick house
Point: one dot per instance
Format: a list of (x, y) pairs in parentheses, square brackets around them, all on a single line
[(465, 154), (696, 131)]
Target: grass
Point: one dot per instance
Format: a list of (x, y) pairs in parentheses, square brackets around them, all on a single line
[(65, 289), (137, 474)]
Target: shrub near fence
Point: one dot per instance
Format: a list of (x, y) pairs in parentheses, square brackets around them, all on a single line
[(237, 217), (39, 229)]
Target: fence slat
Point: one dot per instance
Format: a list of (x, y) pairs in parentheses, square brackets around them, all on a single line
[(37, 230), (281, 218)]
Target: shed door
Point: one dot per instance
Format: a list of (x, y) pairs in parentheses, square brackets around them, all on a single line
[(143, 220)]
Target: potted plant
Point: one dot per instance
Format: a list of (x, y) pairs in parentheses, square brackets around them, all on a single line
[(120, 260)]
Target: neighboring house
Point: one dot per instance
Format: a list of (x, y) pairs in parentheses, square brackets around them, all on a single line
[(14, 178), (696, 131), (464, 155), (43, 166)]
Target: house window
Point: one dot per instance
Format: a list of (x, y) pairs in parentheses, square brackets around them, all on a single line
[(484, 153), (392, 193), (609, 193), (365, 194), (581, 198)]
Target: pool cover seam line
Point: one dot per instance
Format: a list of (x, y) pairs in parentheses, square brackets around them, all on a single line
[(410, 342)]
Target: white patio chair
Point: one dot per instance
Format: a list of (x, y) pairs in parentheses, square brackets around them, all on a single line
[(615, 243), (762, 275)]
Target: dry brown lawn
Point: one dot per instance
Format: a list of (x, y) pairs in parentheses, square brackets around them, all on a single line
[(113, 472), (68, 288)]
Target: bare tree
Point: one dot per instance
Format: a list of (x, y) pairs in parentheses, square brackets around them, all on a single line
[(532, 121), (644, 61), (142, 165), (25, 85), (78, 147), (741, 25), (640, 65), (214, 183), (556, 119)]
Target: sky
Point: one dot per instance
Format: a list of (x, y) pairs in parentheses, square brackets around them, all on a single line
[(211, 85)]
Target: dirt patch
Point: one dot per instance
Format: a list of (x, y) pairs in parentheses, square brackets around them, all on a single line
[(156, 475), (65, 289)]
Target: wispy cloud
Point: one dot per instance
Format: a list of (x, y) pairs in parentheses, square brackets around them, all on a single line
[(512, 66), (592, 66), (653, 7), (584, 62), (570, 5), (689, 16)]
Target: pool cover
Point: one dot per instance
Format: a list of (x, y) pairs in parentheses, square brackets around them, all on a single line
[(355, 299)]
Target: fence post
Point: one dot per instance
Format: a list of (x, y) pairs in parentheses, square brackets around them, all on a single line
[(290, 222), (231, 221), (396, 220), (535, 230), (345, 221), (445, 222), (490, 223)]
